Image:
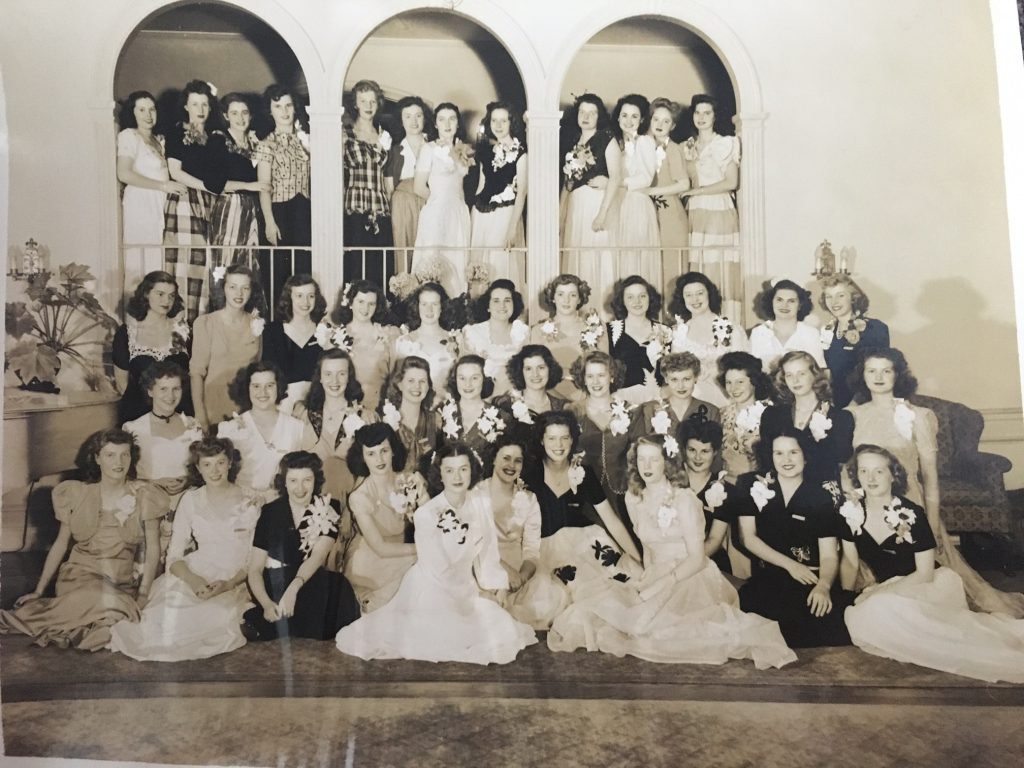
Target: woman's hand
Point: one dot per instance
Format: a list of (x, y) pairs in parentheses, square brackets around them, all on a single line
[(598, 182), (286, 605), (172, 187), (598, 225), (820, 601), (273, 232), (141, 598), (515, 579), (510, 236), (802, 573), (271, 612), (33, 595), (215, 588)]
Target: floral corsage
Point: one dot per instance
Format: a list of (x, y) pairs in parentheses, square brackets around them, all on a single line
[(619, 422), (520, 410), (593, 330), (903, 417), (503, 154), (391, 415), (661, 422), (819, 424), (405, 498), (576, 471), (125, 508), (449, 523), (749, 419), (320, 519), (331, 336), (760, 492), (716, 494), (256, 324), (659, 342), (578, 161), (853, 512), (900, 519), (851, 334)]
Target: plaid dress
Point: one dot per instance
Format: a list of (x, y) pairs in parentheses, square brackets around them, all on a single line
[(233, 218)]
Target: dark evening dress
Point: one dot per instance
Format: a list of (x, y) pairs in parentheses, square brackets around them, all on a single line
[(298, 363), (793, 530), (833, 449), (573, 509), (633, 353), (325, 603), (724, 510), (129, 355), (841, 356)]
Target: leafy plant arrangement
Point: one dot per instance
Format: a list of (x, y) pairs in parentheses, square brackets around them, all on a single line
[(57, 324)]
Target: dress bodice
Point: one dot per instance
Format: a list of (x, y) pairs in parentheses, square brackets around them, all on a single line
[(663, 521), (261, 457), (604, 450), (638, 356), (146, 161), (597, 144), (161, 457), (222, 536), (715, 157), (445, 179), (893, 556), (498, 167), (298, 362), (829, 430)]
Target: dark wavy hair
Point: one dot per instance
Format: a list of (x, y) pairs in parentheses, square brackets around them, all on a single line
[(858, 299), (641, 103), (126, 118), (206, 448), (554, 419), (412, 306), (822, 387), (460, 131), (85, 459), (225, 101), (138, 304), (906, 382), (482, 307), (370, 436), (449, 451), (619, 305), (256, 300), (238, 389), (503, 440), (342, 315), (516, 363), (162, 369), (570, 121), (398, 131), (392, 393), (704, 98), (516, 127), (616, 369), (678, 305), (701, 430), (285, 313), (201, 88), (764, 448), (767, 297), (353, 389), (453, 377), (299, 460), (548, 295), (675, 471), (676, 361), (750, 365), (896, 468)]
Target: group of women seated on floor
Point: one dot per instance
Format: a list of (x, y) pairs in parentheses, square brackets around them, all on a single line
[(439, 493)]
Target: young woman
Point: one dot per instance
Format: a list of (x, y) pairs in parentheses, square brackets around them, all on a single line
[(804, 402), (785, 305), (568, 332), (670, 180), (637, 219), (442, 236), (361, 311), (917, 612), (497, 220), (501, 333), (701, 329), (154, 329), (407, 408), (290, 340), (533, 373), (382, 505), (677, 373), (749, 391), (636, 338), (103, 520), (680, 609), (400, 173), (701, 445), (792, 526), (196, 607), (467, 415), (262, 433), (848, 332), (367, 196), (428, 336), (225, 340), (438, 613)]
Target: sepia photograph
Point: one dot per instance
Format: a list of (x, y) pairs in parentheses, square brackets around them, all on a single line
[(491, 383)]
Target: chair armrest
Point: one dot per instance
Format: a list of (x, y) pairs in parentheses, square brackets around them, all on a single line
[(983, 469)]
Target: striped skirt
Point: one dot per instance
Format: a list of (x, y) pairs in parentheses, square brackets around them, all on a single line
[(187, 222)]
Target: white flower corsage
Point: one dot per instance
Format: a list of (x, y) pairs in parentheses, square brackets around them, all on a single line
[(192, 431), (617, 326), (721, 331), (619, 422), (593, 330), (690, 151), (405, 498), (352, 423), (124, 510), (550, 330), (391, 415), (819, 425), (385, 140), (903, 417), (679, 333), (671, 446), (900, 519), (576, 472), (519, 332), (256, 324), (219, 273), (522, 499), (320, 520), (450, 419), (716, 494), (520, 410), (490, 424), (853, 512), (827, 334), (760, 492), (661, 422), (629, 147), (667, 515), (302, 136), (503, 155), (659, 155), (180, 328), (658, 343), (749, 419)]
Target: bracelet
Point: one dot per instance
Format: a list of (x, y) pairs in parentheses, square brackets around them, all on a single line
[(300, 579)]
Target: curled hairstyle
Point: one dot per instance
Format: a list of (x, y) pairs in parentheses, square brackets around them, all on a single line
[(286, 312), (642, 104), (232, 98), (201, 88), (619, 304), (412, 305), (765, 301), (516, 128), (138, 304), (256, 300), (547, 419), (704, 98), (370, 436), (460, 131), (483, 303), (858, 299), (299, 460), (765, 448), (127, 113), (896, 468), (616, 369), (822, 387), (503, 440), (701, 430), (452, 450), (238, 389), (207, 448), (162, 369), (675, 471), (750, 365), (393, 394), (582, 288), (571, 119), (453, 377), (276, 92), (353, 389), (403, 104), (517, 362), (89, 451), (905, 384), (368, 86), (674, 108), (676, 361), (342, 314), (678, 305)]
